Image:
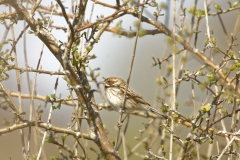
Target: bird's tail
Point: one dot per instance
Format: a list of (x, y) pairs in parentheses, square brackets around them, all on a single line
[(154, 111)]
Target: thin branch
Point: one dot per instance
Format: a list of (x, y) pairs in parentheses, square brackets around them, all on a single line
[(46, 126), (207, 23), (226, 147), (128, 80), (105, 4), (22, 70), (48, 120), (173, 97), (18, 79)]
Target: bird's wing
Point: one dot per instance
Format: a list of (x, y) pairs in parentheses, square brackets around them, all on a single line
[(138, 99), (133, 94)]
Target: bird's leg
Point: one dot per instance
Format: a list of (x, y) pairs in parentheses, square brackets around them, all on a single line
[(125, 117), (146, 114), (121, 113), (120, 124)]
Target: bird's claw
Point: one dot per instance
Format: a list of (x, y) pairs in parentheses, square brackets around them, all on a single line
[(119, 124)]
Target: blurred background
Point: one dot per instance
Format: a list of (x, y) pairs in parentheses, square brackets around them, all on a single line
[(114, 54)]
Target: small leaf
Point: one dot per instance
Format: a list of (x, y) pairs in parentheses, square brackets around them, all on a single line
[(23, 113), (205, 108), (235, 4), (53, 96), (64, 137), (59, 106), (217, 6), (47, 98), (113, 143), (54, 107)]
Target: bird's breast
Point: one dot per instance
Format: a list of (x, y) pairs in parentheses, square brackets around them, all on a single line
[(114, 96)]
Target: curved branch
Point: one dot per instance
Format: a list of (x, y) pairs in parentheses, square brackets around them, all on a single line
[(94, 120), (46, 126), (161, 27)]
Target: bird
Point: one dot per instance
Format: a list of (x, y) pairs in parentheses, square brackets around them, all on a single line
[(114, 91)]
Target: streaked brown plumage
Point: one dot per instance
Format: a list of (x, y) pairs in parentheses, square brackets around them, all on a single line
[(114, 90)]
